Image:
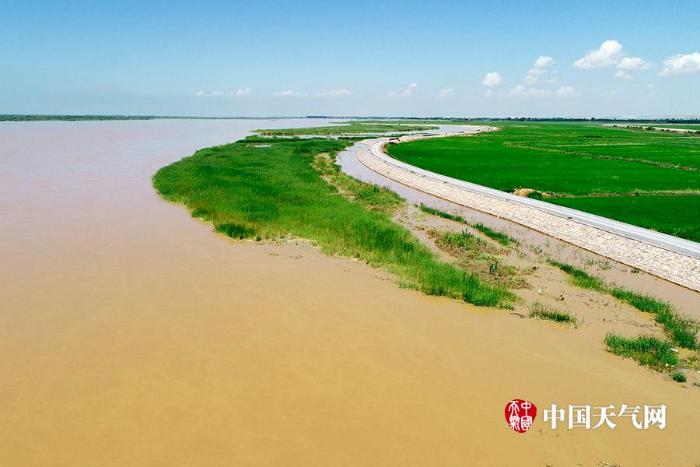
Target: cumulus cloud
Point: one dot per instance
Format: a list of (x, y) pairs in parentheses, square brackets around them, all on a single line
[(444, 93), (287, 93), (492, 79), (633, 63), (607, 54), (409, 90), (520, 90), (681, 64), (539, 69), (622, 74), (335, 93), (219, 93)]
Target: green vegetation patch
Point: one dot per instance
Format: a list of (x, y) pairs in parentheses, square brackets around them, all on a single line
[(646, 350), (540, 311), (650, 179), (349, 128), (681, 331), (678, 377), (581, 278), (443, 214), (282, 190), (677, 215), (500, 237)]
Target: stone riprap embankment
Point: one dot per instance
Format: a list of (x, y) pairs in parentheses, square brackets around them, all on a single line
[(671, 258)]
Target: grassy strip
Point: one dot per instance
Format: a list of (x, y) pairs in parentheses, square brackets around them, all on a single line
[(272, 191), (646, 350), (500, 237), (347, 129), (372, 197), (581, 278), (681, 331), (443, 214), (538, 310)]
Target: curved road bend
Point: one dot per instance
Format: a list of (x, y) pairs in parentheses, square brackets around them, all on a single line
[(672, 258)]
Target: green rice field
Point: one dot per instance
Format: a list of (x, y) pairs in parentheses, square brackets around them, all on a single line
[(646, 178)]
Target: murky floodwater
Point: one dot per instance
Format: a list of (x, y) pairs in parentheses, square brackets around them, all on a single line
[(130, 334)]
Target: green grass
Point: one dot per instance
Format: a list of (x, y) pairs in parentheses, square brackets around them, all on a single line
[(651, 179), (443, 214), (349, 128), (678, 377), (284, 190), (646, 350), (681, 331), (675, 215), (581, 278), (500, 237), (540, 311), (463, 241)]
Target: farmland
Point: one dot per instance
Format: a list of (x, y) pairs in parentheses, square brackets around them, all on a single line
[(650, 179)]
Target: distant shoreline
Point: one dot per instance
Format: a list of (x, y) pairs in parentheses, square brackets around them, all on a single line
[(456, 120), (86, 118)]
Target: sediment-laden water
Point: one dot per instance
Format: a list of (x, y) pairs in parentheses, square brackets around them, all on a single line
[(130, 334)]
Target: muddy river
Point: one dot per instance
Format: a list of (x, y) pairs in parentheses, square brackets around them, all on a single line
[(131, 334)]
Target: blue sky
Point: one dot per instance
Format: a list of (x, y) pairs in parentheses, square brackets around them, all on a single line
[(539, 58)]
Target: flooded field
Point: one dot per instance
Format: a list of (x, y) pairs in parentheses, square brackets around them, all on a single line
[(130, 334)]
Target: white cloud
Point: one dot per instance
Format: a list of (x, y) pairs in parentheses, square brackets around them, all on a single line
[(544, 62), (287, 93), (335, 93), (681, 64), (521, 90), (539, 68), (633, 63), (565, 91), (517, 90), (409, 90), (606, 55), (492, 79), (445, 93), (219, 93), (622, 74)]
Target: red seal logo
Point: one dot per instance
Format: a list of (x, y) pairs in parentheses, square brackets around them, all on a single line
[(520, 414)]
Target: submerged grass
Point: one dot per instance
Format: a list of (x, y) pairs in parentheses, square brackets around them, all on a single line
[(500, 237), (681, 331), (581, 278), (540, 311), (443, 214), (282, 189), (646, 350)]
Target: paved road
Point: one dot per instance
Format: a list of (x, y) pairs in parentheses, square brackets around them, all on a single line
[(672, 258)]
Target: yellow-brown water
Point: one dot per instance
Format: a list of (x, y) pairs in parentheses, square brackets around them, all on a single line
[(130, 334)]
